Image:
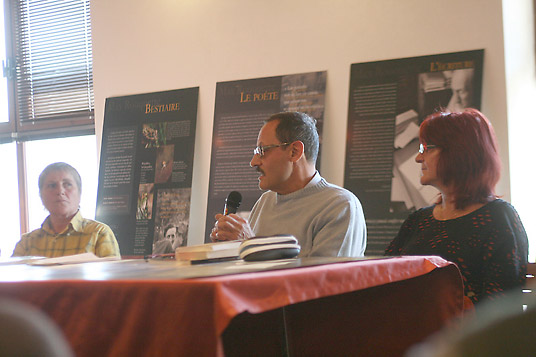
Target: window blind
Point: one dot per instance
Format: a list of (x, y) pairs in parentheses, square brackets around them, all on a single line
[(53, 68)]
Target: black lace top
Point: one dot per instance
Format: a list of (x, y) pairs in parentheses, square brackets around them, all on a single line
[(489, 246)]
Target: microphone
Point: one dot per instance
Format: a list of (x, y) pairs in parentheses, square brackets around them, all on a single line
[(232, 202)]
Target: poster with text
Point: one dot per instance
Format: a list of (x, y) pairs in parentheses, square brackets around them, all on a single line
[(240, 110), (146, 166), (388, 100)]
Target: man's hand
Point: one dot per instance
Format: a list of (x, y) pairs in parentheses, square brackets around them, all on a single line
[(230, 227)]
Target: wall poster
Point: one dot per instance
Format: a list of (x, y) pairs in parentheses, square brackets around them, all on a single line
[(145, 174), (240, 109), (387, 102)]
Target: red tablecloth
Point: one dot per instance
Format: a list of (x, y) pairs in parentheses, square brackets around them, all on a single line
[(149, 316)]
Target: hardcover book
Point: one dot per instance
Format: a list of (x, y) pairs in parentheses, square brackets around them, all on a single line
[(217, 250)]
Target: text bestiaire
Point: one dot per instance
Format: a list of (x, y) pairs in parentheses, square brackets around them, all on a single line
[(171, 107)]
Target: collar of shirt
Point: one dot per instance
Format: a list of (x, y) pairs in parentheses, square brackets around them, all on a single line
[(75, 224), (316, 179)]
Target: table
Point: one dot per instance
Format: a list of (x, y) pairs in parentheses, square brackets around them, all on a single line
[(293, 307)]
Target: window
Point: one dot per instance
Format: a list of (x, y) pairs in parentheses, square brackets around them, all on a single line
[(4, 118), (49, 62), (9, 210), (47, 111)]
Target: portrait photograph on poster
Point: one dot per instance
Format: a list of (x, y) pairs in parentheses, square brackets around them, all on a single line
[(388, 100), (171, 220)]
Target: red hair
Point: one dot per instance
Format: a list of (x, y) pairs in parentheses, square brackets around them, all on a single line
[(469, 161)]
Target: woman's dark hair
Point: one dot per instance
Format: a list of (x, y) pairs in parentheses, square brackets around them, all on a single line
[(469, 160)]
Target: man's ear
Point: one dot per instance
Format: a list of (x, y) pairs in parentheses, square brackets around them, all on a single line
[(296, 151)]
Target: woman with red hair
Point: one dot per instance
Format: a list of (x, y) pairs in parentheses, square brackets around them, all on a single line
[(468, 225)]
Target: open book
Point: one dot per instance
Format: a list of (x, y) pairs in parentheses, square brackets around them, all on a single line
[(209, 251), (282, 246), (253, 249)]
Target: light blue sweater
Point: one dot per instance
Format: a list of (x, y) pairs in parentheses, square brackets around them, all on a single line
[(327, 220)]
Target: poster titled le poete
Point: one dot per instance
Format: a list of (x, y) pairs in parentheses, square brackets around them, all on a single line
[(145, 175), (388, 101), (240, 109)]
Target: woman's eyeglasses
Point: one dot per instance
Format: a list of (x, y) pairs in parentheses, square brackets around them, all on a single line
[(423, 148)]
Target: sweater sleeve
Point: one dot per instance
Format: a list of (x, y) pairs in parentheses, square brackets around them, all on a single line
[(255, 214), (405, 232), (505, 252), (342, 230)]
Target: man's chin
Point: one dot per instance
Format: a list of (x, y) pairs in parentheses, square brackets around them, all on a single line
[(262, 184)]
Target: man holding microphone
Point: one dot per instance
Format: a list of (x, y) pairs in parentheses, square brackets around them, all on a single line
[(327, 220)]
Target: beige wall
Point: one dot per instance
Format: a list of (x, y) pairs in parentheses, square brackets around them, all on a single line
[(144, 46)]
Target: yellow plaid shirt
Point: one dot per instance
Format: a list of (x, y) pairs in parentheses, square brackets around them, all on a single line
[(81, 236)]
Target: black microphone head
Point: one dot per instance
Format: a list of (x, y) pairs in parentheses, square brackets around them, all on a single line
[(232, 202)]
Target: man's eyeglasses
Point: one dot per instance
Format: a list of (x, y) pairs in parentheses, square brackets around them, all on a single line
[(423, 148), (261, 150)]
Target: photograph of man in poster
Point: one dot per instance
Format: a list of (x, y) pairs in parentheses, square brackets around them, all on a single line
[(164, 244), (171, 219), (174, 236), (461, 84), (453, 90)]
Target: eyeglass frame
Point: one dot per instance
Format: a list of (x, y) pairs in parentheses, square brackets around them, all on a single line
[(261, 150), (423, 148)]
